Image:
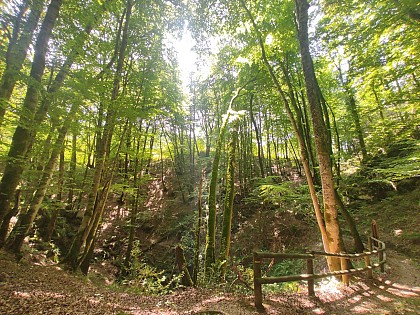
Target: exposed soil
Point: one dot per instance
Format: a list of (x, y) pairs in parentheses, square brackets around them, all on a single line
[(29, 287), (26, 288)]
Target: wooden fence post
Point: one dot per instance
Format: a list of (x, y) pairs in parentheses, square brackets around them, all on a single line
[(375, 234), (381, 258), (367, 259), (344, 266), (257, 284), (310, 271)]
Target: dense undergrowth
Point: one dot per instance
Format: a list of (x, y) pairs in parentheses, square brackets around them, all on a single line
[(275, 215)]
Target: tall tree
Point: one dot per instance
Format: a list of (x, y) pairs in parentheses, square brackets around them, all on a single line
[(322, 142), (93, 213), (44, 106), (297, 128), (229, 199), (17, 50), (21, 138), (210, 257)]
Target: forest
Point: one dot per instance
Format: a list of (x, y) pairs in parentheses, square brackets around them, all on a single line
[(149, 148)]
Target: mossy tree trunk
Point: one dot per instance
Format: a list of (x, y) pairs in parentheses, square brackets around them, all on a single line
[(211, 221), (40, 111), (182, 266), (228, 202), (198, 229), (21, 228), (210, 257)]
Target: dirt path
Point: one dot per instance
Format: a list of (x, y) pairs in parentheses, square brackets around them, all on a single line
[(30, 289)]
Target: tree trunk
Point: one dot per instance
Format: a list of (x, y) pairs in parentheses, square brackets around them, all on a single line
[(72, 169), (322, 143), (51, 224), (91, 214), (357, 240), (211, 222), (134, 211), (21, 139), (20, 230), (100, 202), (16, 53), (5, 224), (182, 267), (354, 113), (228, 203), (258, 138), (298, 133), (198, 229)]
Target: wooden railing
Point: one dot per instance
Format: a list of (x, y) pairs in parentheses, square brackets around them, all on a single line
[(375, 247)]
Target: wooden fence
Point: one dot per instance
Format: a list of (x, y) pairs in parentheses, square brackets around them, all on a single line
[(375, 247)]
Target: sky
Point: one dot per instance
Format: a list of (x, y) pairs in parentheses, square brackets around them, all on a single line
[(187, 57), (192, 65)]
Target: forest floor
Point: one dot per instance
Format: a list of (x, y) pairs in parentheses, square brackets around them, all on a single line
[(28, 288)]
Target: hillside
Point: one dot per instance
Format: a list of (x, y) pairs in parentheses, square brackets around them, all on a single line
[(37, 285)]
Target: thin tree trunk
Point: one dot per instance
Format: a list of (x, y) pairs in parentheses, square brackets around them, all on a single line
[(16, 53), (354, 113), (53, 220), (72, 169), (198, 229), (258, 137), (15, 240), (357, 240), (91, 214), (228, 203), (303, 149), (134, 211), (210, 257), (21, 138), (84, 261)]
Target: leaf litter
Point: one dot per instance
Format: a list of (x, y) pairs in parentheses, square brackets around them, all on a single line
[(26, 288)]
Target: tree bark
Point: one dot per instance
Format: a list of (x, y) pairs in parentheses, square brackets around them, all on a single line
[(210, 257), (198, 229), (53, 220), (134, 211), (228, 203), (182, 267), (322, 143), (92, 213), (257, 137), (5, 225), (20, 230), (297, 131), (21, 139), (16, 53)]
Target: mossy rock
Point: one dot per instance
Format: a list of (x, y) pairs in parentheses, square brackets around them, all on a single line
[(379, 189)]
